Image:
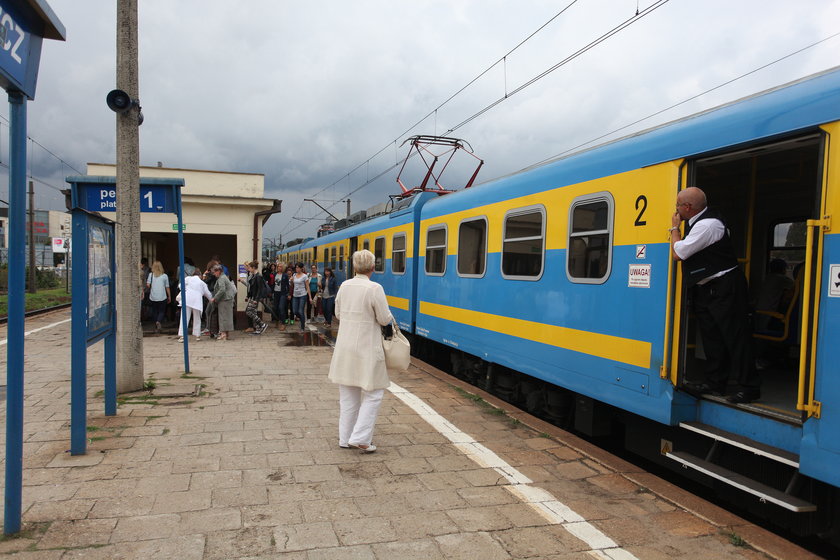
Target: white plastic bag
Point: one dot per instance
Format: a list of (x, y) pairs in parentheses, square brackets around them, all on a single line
[(397, 350)]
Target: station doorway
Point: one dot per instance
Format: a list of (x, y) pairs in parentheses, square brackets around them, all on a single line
[(766, 193), (199, 247)]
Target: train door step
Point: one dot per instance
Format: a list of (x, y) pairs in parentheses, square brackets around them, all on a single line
[(774, 453), (762, 491)]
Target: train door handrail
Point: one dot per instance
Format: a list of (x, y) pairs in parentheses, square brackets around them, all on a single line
[(804, 402)]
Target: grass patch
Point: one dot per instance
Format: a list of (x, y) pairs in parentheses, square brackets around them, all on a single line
[(27, 531), (165, 431), (93, 428), (149, 385), (736, 540), (41, 300)]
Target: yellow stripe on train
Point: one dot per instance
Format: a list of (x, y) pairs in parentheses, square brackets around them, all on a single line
[(625, 350), (398, 302)]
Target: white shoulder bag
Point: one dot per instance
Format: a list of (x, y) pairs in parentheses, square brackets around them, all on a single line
[(397, 350)]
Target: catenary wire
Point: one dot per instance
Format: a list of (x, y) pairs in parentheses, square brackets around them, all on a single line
[(434, 111), (636, 17)]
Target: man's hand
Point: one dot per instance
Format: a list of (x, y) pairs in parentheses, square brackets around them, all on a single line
[(676, 220)]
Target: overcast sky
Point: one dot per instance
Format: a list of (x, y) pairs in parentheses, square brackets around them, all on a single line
[(306, 92)]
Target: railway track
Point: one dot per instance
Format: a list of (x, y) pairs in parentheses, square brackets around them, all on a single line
[(36, 312)]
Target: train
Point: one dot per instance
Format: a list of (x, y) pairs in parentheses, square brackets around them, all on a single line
[(554, 288)]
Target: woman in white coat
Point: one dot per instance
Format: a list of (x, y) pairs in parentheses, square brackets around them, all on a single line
[(358, 361), (195, 289)]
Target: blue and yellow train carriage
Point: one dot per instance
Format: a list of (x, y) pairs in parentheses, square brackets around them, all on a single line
[(563, 273), (500, 281)]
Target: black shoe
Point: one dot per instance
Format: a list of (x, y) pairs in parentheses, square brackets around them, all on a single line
[(744, 397), (698, 389)]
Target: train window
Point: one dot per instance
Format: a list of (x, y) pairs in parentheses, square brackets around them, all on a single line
[(379, 254), (522, 247), (436, 250), (589, 252), (398, 254), (332, 258), (789, 243), (340, 257), (366, 244), (472, 247)]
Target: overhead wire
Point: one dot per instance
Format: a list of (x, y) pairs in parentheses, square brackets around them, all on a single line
[(620, 27), (683, 102), (507, 95), (433, 112)]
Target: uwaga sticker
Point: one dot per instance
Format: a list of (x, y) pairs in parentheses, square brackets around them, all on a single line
[(639, 276)]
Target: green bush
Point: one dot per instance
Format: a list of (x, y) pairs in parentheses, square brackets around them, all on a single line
[(44, 279)]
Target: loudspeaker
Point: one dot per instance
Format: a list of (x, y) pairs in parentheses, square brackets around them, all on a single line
[(118, 101)]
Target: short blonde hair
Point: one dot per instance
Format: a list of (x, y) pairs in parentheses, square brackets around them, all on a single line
[(363, 261)]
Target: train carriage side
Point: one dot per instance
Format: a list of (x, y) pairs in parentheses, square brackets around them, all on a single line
[(498, 280), (563, 272)]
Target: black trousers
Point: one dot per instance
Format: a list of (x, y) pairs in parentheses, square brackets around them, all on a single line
[(722, 313)]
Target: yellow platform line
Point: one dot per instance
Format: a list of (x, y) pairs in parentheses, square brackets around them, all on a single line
[(625, 350)]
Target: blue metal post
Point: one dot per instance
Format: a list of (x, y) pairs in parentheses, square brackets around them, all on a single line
[(111, 341), (78, 337), (176, 194), (15, 325)]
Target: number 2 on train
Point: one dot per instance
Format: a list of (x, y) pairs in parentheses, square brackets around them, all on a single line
[(641, 201)]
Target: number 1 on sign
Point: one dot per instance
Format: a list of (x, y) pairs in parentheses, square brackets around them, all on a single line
[(148, 196)]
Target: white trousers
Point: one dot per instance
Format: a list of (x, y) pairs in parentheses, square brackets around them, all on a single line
[(196, 321), (359, 409)]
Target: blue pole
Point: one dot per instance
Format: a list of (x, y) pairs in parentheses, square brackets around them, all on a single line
[(111, 339), (78, 336), (15, 325), (176, 192)]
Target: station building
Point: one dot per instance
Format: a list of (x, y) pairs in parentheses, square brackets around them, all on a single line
[(223, 214)]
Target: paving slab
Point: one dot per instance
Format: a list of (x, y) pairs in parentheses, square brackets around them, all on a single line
[(240, 459)]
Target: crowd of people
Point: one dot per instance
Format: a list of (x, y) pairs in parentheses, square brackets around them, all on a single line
[(286, 291), (292, 295)]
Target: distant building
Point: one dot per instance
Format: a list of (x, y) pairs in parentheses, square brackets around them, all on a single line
[(223, 214), (45, 225)]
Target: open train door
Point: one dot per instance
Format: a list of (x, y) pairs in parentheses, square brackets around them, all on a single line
[(354, 246), (774, 199)]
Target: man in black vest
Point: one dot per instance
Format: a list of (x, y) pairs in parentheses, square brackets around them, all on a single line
[(718, 290)]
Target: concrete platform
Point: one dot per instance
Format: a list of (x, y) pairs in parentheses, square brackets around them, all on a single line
[(249, 467)]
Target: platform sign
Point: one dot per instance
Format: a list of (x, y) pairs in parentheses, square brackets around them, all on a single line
[(153, 198)]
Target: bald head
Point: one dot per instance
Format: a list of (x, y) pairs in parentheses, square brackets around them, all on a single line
[(690, 202)]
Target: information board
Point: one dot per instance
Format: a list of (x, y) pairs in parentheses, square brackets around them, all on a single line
[(100, 278)]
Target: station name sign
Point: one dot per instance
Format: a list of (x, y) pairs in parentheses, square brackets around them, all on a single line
[(20, 50)]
